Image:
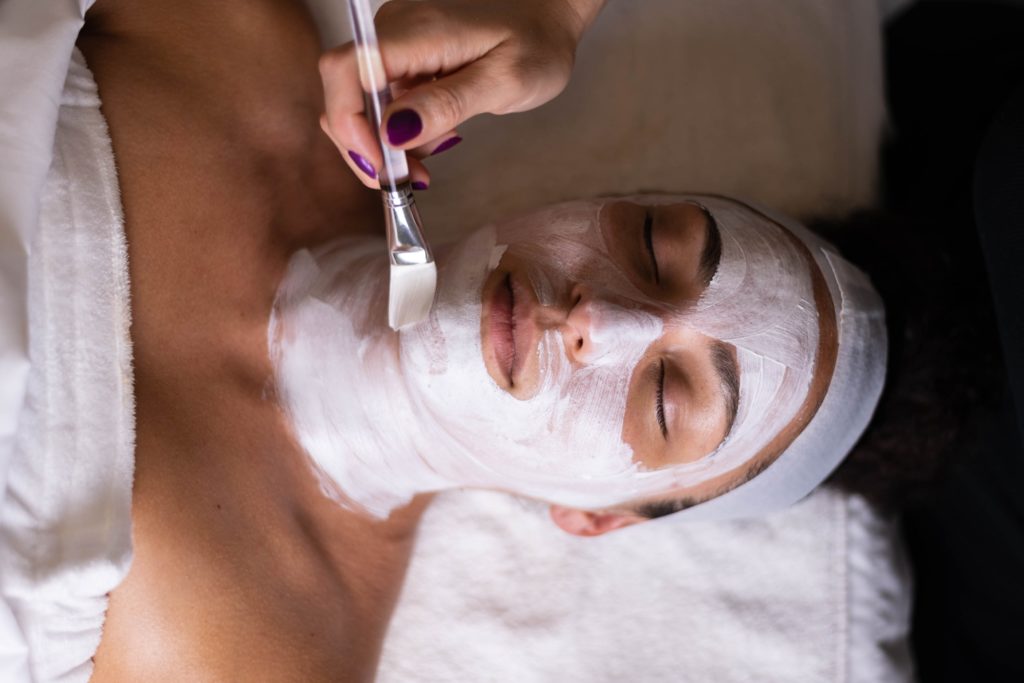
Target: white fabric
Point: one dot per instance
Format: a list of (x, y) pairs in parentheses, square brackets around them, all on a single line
[(36, 40), (66, 515), (495, 592)]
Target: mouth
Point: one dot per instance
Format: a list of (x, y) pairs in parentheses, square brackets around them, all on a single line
[(509, 332)]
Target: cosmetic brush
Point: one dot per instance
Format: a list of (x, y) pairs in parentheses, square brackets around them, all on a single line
[(413, 273)]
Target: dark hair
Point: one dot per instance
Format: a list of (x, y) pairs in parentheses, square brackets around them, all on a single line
[(944, 358)]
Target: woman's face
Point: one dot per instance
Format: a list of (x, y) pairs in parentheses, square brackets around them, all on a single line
[(580, 352), (634, 261)]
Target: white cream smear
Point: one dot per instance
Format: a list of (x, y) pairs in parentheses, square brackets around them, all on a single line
[(761, 301), (386, 415)]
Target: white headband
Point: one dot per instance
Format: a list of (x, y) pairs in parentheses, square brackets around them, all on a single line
[(848, 405)]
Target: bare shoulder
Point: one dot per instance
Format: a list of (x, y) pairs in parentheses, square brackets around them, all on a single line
[(213, 113), (213, 109), (243, 570)]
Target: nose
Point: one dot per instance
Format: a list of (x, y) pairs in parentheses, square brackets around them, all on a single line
[(599, 331)]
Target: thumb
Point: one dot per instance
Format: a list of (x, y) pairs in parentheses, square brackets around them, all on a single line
[(430, 110)]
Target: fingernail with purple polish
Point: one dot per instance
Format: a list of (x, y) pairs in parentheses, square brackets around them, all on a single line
[(419, 185), (446, 145), (404, 125), (363, 164)]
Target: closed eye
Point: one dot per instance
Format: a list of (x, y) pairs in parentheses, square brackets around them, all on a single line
[(659, 409), (649, 243)]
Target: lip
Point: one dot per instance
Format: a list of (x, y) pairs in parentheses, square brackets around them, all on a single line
[(509, 331)]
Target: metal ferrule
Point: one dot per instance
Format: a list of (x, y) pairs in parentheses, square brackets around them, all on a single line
[(405, 237)]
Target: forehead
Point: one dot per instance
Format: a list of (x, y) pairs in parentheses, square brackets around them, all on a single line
[(598, 238), (585, 223), (758, 288)]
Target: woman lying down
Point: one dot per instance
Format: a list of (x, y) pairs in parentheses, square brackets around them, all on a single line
[(620, 358)]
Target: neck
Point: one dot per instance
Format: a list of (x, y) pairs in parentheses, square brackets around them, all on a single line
[(339, 377)]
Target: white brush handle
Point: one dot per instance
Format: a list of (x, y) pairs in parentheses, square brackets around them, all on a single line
[(376, 91)]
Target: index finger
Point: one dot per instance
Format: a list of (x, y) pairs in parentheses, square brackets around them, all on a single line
[(345, 121)]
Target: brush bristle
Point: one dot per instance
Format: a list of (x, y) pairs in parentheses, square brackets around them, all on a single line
[(411, 294)]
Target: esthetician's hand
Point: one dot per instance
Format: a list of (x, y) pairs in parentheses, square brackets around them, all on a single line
[(451, 60)]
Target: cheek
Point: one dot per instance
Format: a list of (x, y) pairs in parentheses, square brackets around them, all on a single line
[(583, 436), (564, 240), (647, 446), (558, 262)]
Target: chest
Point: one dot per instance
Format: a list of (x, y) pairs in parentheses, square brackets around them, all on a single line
[(213, 113)]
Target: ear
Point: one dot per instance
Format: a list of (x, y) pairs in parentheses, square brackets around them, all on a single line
[(588, 523)]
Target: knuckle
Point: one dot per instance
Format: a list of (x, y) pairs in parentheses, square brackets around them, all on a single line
[(448, 105), (535, 79), (523, 80), (518, 79), (388, 12), (331, 61), (330, 124), (418, 11)]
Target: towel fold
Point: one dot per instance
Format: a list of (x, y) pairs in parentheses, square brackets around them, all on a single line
[(66, 515)]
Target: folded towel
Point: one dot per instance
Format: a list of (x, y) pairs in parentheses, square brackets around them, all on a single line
[(36, 39), (495, 592), (66, 525)]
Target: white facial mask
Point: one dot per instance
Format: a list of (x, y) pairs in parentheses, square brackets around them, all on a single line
[(512, 440), (418, 411), (761, 301), (385, 416)]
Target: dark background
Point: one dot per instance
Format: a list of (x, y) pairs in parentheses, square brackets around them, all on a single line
[(954, 162)]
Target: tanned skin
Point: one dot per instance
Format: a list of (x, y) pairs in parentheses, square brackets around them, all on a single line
[(242, 570)]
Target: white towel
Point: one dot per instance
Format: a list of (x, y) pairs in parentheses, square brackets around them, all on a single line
[(36, 39), (66, 525), (496, 593)]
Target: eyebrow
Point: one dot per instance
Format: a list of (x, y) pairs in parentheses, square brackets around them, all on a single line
[(728, 379), (712, 252)]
